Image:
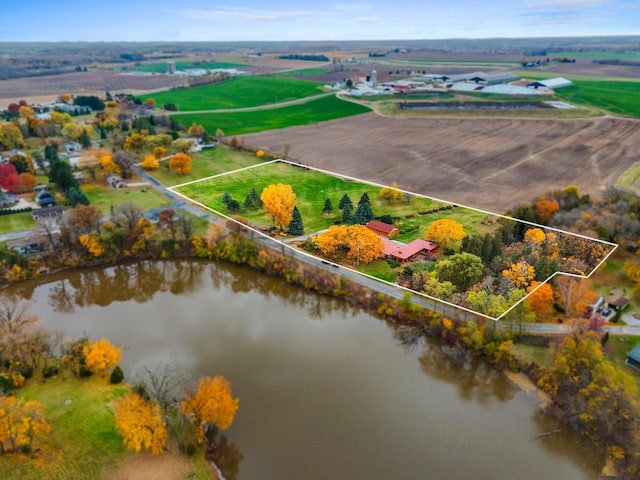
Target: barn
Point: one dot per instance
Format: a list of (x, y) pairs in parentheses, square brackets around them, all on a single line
[(383, 229)]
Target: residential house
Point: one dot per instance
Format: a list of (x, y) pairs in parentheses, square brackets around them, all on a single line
[(71, 147), (47, 212), (36, 243), (633, 357), (116, 181), (616, 300), (408, 252), (45, 199)]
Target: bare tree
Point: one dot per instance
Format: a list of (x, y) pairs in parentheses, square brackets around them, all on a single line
[(164, 384), (129, 214), (14, 314)]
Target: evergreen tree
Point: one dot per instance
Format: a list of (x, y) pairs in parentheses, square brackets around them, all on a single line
[(76, 197), (346, 213), (296, 227), (233, 205), (388, 219), (51, 153), (226, 198), (363, 214), (364, 199), (328, 207), (344, 201), (252, 200), (85, 139)]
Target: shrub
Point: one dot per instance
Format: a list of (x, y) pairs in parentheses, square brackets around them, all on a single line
[(50, 371), (116, 376), (191, 449)]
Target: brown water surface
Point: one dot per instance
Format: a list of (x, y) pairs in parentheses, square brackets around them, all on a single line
[(326, 391)]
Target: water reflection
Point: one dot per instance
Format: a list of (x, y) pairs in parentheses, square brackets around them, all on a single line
[(318, 393)]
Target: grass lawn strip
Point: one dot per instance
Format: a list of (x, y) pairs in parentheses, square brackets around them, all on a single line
[(105, 198), (310, 183), (241, 92), (16, 222)]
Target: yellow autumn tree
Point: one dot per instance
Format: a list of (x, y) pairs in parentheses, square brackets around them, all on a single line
[(100, 356), (196, 130), (180, 163), (21, 422), (520, 274), (141, 423), (92, 244), (445, 231), (391, 194), (108, 165), (210, 405), (134, 142), (534, 237), (150, 162), (159, 152), (278, 200), (361, 243), (573, 294)]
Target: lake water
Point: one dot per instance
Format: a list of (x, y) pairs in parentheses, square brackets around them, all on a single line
[(326, 391)]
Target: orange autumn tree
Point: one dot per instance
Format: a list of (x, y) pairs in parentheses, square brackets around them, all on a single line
[(545, 210), (210, 405), (540, 299), (159, 152), (21, 422), (573, 294), (278, 200), (150, 162), (101, 356), (444, 231), (520, 274), (362, 244), (180, 163), (26, 181), (141, 423)]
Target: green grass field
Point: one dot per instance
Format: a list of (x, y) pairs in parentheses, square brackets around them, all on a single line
[(206, 164), (16, 222), (311, 189), (629, 176), (103, 197), (83, 443), (320, 110), (303, 72), (241, 92), (604, 54), (616, 349), (617, 96), (162, 67)]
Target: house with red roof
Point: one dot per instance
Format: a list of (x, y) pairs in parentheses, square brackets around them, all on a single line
[(408, 252), (383, 229)]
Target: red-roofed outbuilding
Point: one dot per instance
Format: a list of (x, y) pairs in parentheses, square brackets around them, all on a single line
[(382, 228)]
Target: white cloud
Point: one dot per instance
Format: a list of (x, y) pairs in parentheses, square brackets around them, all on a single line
[(367, 19), (241, 13), (563, 4)]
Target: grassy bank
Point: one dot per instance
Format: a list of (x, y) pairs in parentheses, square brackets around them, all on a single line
[(105, 198)]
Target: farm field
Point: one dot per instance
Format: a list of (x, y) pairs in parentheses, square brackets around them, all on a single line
[(104, 198), (489, 163), (312, 188), (240, 92), (597, 54), (162, 66), (236, 123), (207, 163)]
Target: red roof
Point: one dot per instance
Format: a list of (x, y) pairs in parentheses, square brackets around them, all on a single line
[(403, 251), (380, 227)]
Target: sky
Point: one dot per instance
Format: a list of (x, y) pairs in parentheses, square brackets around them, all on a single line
[(252, 20)]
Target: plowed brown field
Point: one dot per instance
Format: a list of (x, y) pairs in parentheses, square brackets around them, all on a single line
[(489, 163)]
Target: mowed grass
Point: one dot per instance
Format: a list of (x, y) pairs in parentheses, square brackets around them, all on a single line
[(240, 92), (629, 176), (16, 222), (312, 188), (309, 113), (206, 164), (104, 198), (162, 67), (303, 72), (616, 350), (608, 54), (83, 442)]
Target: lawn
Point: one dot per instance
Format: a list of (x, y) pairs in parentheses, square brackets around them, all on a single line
[(162, 67), (303, 72), (240, 92), (616, 350), (312, 188), (629, 176), (83, 443), (104, 198), (608, 54), (16, 222), (206, 164), (236, 123)]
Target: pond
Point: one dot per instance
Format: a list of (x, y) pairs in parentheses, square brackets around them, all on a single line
[(326, 391)]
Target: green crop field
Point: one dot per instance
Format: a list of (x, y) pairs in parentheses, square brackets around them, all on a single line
[(104, 198), (617, 96), (206, 164), (236, 123), (303, 72), (240, 92), (312, 188), (621, 98), (162, 67), (605, 54)]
